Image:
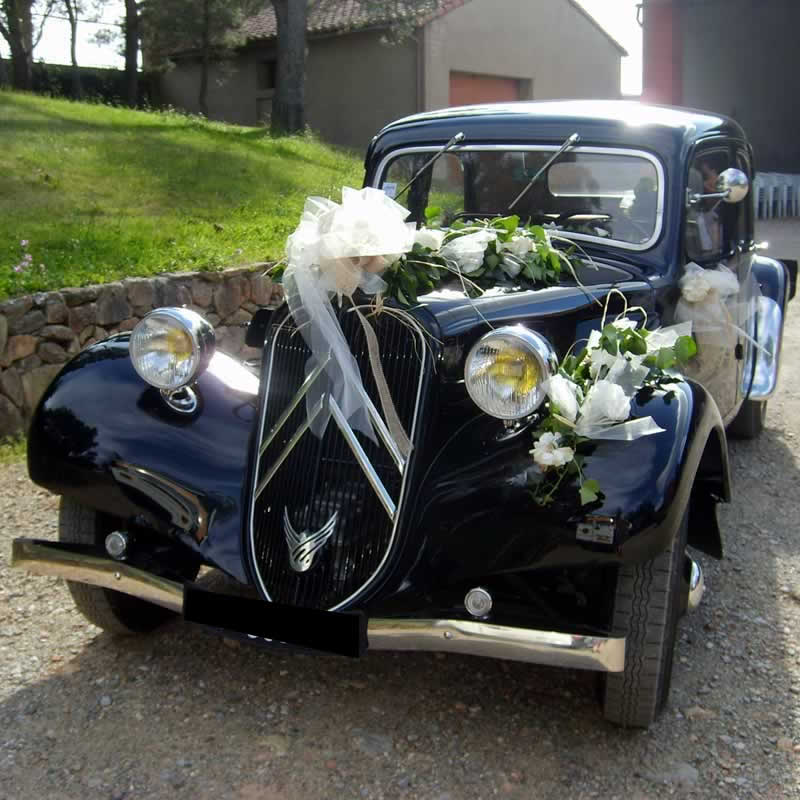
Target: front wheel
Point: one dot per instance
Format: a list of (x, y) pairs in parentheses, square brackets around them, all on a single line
[(115, 612), (647, 605)]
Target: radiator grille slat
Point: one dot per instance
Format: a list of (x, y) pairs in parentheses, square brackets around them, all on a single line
[(320, 477)]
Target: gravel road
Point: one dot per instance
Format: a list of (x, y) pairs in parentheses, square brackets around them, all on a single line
[(183, 714)]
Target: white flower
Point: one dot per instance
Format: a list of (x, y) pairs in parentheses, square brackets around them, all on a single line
[(430, 238), (546, 452), (512, 267), (563, 393), (594, 340), (468, 251), (625, 324), (695, 287), (599, 358), (519, 246), (606, 403)]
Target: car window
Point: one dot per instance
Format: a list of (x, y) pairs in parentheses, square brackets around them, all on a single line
[(616, 197), (705, 229)]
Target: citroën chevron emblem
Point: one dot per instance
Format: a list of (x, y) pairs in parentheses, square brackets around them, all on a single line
[(304, 546)]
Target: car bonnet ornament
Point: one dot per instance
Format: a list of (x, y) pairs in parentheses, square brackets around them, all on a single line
[(304, 546)]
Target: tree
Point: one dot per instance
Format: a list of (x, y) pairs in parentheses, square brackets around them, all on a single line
[(130, 31), (288, 102), (399, 17), (17, 28), (208, 28)]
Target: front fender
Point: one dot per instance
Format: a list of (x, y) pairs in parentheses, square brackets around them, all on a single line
[(105, 437), (476, 516)]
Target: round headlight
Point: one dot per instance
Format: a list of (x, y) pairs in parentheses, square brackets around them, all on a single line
[(506, 370), (170, 347)]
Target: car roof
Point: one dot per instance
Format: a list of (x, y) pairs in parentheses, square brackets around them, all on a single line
[(693, 123)]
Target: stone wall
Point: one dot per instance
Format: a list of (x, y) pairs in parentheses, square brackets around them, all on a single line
[(39, 333)]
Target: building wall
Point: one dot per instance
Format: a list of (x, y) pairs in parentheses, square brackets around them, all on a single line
[(550, 44), (739, 59), (354, 86)]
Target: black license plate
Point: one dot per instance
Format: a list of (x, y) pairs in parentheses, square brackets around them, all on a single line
[(341, 633)]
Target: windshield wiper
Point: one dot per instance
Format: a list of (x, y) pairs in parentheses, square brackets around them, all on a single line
[(457, 139), (570, 142)]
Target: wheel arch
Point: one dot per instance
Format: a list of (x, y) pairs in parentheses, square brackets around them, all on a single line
[(711, 485)]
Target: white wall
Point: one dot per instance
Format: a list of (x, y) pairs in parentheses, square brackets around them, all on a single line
[(550, 43)]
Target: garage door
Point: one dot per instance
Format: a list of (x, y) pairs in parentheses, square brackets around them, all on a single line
[(467, 88)]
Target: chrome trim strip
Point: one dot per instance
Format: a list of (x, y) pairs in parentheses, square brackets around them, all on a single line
[(290, 445), (52, 558), (770, 337), (697, 586), (548, 148), (451, 636), (362, 458), (293, 403), (498, 641)]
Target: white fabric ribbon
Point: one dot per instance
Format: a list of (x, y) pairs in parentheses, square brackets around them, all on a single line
[(336, 249)]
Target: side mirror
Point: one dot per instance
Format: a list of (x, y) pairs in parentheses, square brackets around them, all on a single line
[(733, 184), (732, 187)]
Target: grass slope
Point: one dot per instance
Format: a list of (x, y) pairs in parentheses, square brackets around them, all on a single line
[(101, 193)]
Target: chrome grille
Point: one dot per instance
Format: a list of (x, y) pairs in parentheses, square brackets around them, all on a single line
[(302, 482)]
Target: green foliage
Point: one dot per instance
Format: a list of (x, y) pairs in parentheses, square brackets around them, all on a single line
[(12, 451), (102, 193), (423, 269)]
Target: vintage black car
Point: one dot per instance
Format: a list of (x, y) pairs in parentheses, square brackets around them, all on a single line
[(343, 544)]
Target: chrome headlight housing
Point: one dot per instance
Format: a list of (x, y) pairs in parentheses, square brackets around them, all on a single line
[(170, 347), (506, 370)]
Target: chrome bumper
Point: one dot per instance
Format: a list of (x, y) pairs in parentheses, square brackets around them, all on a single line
[(442, 635)]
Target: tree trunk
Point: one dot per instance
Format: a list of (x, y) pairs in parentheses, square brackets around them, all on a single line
[(19, 36), (131, 53), (288, 102), (202, 99), (72, 14)]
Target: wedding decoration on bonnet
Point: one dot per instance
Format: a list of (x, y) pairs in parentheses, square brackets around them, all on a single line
[(365, 244)]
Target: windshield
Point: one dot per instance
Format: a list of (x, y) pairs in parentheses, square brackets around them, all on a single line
[(587, 193)]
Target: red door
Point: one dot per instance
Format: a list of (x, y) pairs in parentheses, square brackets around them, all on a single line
[(467, 88)]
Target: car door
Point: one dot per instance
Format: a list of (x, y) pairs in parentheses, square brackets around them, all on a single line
[(715, 239)]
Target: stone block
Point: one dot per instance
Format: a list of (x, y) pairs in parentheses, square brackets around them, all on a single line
[(261, 289), (228, 298), (81, 317), (112, 304), (176, 294), (19, 347), (3, 333), (29, 362), (11, 386), (212, 318), (55, 309), (10, 418), (52, 353), (100, 333), (79, 296), (16, 308), (141, 292), (30, 322), (240, 317), (86, 334), (202, 292), (36, 381), (128, 324), (59, 333)]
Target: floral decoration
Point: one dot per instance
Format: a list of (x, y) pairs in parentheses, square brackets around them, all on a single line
[(590, 395)]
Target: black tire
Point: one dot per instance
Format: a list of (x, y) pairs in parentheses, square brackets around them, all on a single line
[(750, 420), (647, 606), (115, 612)]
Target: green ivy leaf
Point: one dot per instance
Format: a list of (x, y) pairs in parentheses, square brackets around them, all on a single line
[(589, 491), (685, 348), (509, 224), (538, 233), (492, 260), (432, 212), (665, 358)]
